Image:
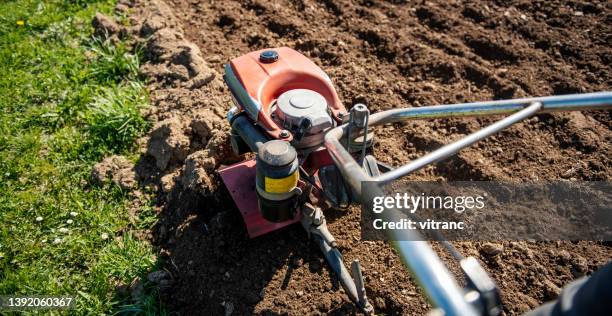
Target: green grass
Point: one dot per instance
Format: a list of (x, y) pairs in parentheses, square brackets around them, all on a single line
[(66, 101)]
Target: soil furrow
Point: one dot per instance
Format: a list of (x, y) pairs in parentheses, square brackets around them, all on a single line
[(386, 54)]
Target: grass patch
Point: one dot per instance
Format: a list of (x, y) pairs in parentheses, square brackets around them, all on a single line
[(113, 62), (114, 119), (67, 100)]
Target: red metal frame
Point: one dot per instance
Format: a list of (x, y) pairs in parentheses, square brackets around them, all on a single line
[(239, 178)]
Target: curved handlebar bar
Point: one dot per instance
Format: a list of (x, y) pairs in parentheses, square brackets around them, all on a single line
[(426, 266)]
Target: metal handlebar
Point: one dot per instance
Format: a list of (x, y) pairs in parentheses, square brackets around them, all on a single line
[(429, 270), (352, 171)]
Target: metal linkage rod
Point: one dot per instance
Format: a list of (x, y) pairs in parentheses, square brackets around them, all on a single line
[(353, 173), (452, 148), (433, 276), (557, 103)]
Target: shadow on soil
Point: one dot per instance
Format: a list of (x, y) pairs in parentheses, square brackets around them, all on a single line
[(213, 265)]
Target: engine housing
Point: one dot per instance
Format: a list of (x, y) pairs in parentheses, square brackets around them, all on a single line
[(304, 113)]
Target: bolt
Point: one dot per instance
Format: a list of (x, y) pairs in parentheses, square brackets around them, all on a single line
[(284, 133), (359, 114)]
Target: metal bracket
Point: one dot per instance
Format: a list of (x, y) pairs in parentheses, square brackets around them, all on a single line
[(485, 293), (370, 166), (314, 223), (334, 187)]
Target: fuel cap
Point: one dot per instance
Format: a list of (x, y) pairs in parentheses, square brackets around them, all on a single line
[(268, 56)]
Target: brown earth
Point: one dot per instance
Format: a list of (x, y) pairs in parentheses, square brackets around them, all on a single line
[(387, 54)]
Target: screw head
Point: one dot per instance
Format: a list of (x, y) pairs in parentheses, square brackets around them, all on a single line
[(268, 56), (284, 133)]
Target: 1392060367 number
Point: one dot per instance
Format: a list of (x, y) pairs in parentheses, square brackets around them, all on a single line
[(36, 302)]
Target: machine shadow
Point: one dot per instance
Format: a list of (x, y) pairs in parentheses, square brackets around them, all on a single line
[(213, 266)]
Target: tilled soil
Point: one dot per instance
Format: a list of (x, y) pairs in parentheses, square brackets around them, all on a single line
[(386, 54)]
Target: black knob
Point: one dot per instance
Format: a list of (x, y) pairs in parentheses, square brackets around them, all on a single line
[(268, 56)]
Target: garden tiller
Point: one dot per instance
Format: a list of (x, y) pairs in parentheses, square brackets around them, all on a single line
[(311, 155)]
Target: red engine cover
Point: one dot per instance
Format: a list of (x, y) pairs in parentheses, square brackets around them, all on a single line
[(265, 82)]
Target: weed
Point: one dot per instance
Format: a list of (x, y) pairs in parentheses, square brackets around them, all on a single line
[(112, 62), (114, 119)]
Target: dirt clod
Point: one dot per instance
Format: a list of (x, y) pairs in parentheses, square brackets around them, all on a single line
[(228, 308), (188, 55), (104, 26), (580, 265), (204, 77), (206, 122), (168, 181), (158, 16), (197, 173), (380, 303), (551, 290), (157, 276), (173, 58), (116, 169), (492, 249), (169, 142), (564, 256)]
